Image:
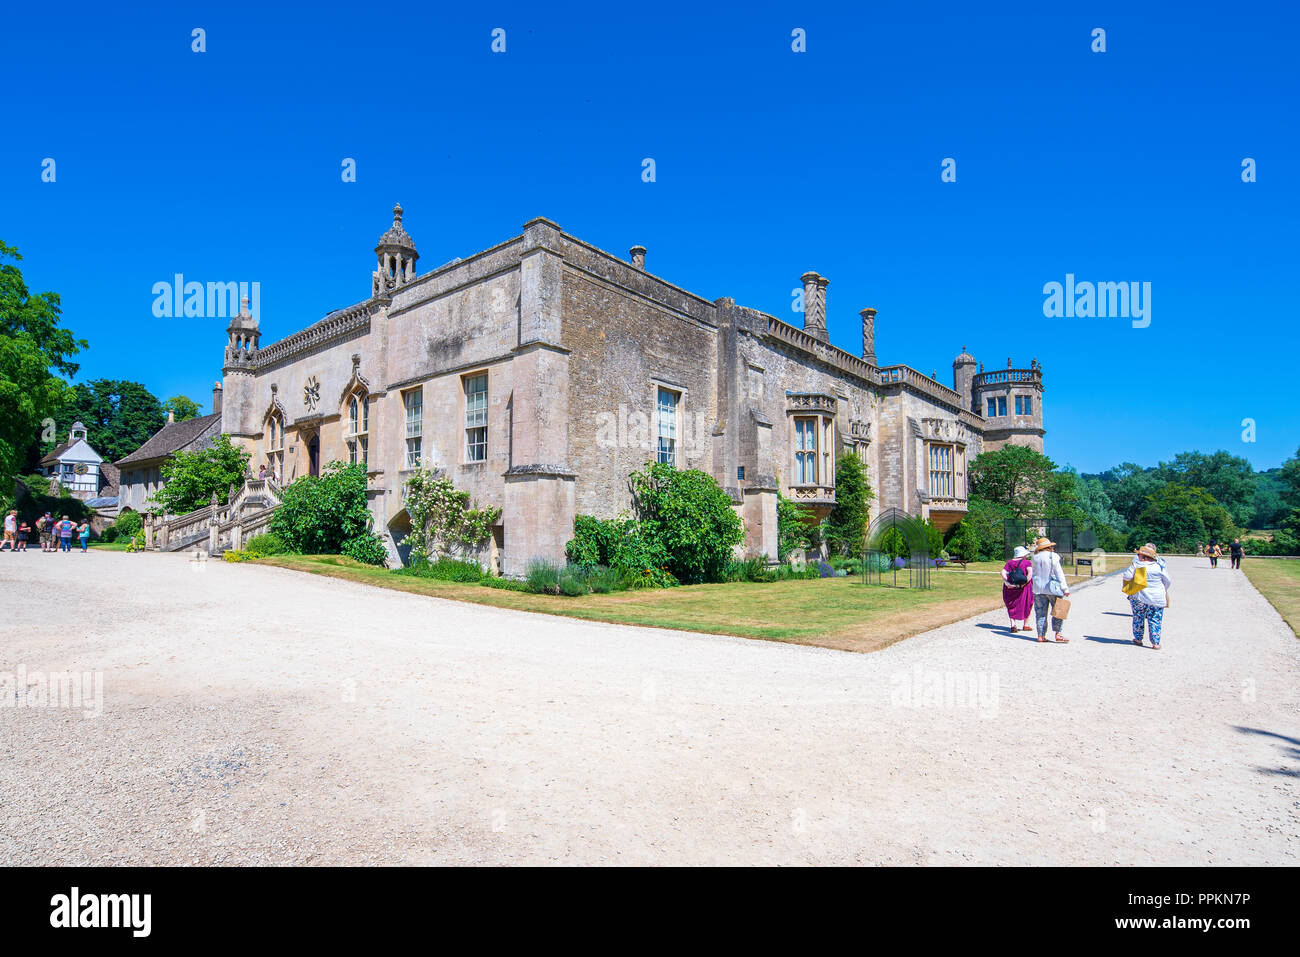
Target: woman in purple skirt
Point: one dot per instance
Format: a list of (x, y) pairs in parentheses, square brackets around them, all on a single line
[(1016, 593)]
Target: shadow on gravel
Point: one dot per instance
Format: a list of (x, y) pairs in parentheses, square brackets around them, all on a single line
[(1109, 641), (1293, 753), (1119, 614), (1022, 635)]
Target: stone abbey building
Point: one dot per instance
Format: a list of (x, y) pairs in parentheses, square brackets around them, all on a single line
[(539, 373)]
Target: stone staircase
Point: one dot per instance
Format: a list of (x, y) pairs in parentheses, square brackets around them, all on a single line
[(217, 527)]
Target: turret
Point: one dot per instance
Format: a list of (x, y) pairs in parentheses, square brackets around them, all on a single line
[(397, 257), (963, 378), (1011, 402)]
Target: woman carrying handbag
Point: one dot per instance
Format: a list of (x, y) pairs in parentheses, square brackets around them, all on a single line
[(1049, 585), (1146, 583)]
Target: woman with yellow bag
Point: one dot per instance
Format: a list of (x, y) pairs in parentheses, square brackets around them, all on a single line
[(1146, 583)]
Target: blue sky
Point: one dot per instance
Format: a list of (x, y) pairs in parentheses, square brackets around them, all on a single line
[(1115, 166)]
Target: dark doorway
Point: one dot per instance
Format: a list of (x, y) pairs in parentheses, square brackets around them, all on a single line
[(313, 455)]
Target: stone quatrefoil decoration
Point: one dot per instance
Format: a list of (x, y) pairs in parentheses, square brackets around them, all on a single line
[(311, 393)]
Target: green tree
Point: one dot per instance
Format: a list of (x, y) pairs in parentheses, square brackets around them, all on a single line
[(691, 517), (846, 526), (1014, 476), (1290, 480), (190, 478), (1127, 486), (1177, 517), (119, 416), (1229, 479), (35, 352), (181, 407), (987, 521), (964, 541)]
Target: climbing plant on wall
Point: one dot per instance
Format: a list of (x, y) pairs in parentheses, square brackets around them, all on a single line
[(441, 517)]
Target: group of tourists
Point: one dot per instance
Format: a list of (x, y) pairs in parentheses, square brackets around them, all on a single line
[(1037, 582), (53, 536), (1214, 551)]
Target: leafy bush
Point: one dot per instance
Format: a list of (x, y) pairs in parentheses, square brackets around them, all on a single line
[(235, 555), (367, 548), (319, 515), (445, 569), (850, 566), (542, 577), (128, 524), (824, 570), (688, 515), (596, 541), (794, 527), (268, 543), (623, 545)]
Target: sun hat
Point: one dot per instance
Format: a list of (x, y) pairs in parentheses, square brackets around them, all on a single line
[(1043, 543), (1020, 552), (1148, 550)]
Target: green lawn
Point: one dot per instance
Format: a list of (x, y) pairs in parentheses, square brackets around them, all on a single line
[(110, 546), (830, 612), (1278, 579)]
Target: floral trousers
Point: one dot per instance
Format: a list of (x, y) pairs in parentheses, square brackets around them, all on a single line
[(1146, 617)]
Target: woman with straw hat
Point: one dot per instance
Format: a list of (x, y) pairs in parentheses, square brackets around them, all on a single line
[(1017, 596), (1049, 585), (1146, 582)]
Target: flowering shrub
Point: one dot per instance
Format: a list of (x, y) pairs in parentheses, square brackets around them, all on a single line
[(441, 517)]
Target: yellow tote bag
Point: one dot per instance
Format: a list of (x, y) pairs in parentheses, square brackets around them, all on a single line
[(1137, 582)]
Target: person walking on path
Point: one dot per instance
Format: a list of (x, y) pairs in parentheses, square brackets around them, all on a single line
[(1236, 551), (1049, 585), (24, 532), (1215, 553), (11, 531), (64, 529), (1146, 583), (45, 525), (1017, 594), (84, 533)]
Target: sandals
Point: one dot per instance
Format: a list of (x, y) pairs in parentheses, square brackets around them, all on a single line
[(1042, 639), (1138, 642), (1063, 641)]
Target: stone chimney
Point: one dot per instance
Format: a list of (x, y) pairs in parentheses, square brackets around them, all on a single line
[(216, 397), (638, 257), (171, 417), (814, 305), (869, 335)]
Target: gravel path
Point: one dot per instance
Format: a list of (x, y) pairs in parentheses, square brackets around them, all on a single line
[(259, 715)]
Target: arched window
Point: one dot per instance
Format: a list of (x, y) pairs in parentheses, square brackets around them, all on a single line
[(275, 446), (358, 435)]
